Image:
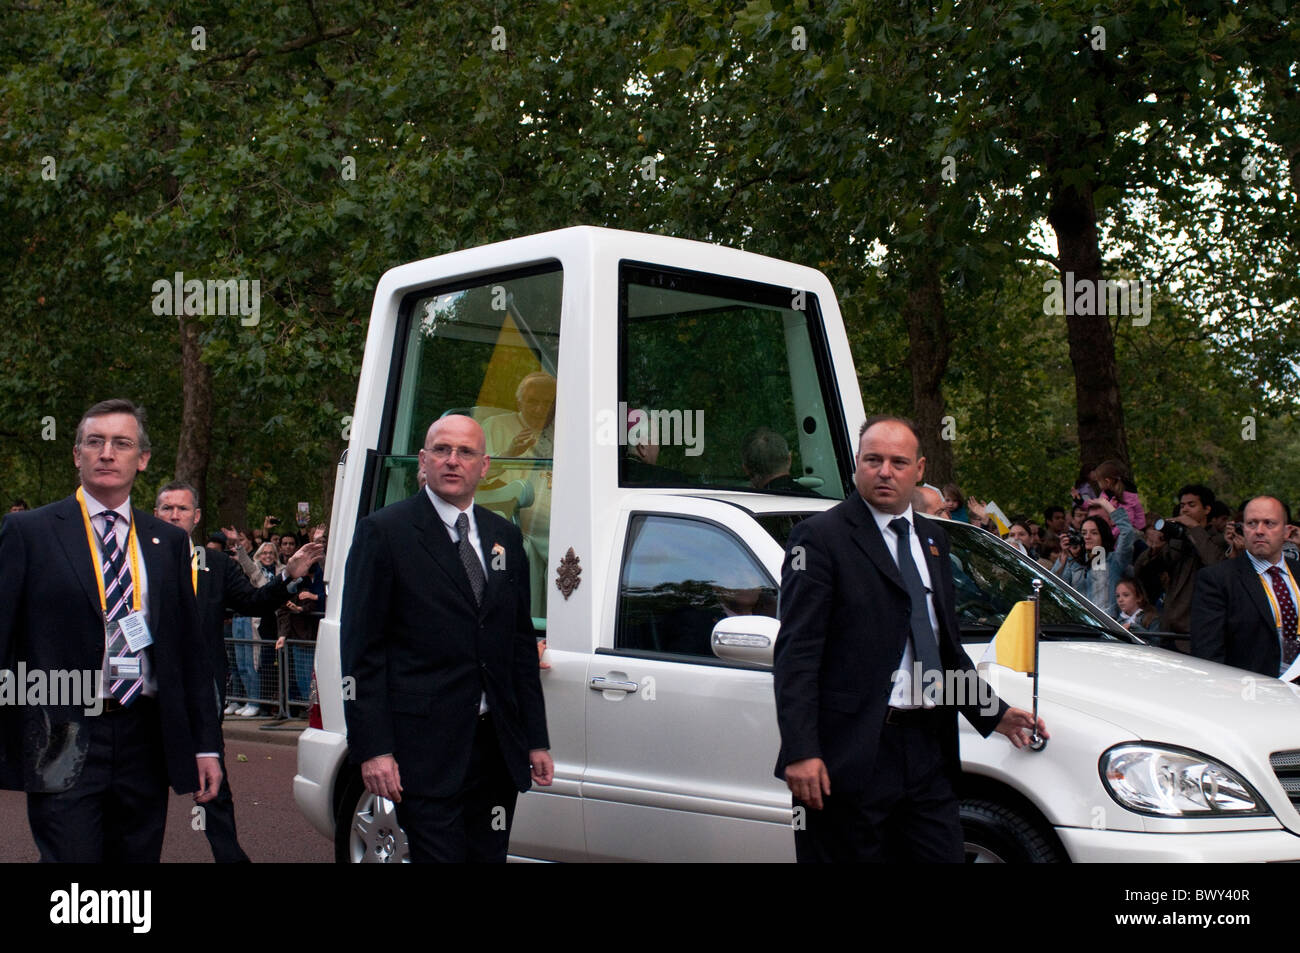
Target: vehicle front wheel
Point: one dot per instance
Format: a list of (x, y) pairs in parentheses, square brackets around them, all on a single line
[(366, 829), (996, 834)]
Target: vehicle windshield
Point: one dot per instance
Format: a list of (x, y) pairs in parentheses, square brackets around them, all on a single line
[(990, 577)]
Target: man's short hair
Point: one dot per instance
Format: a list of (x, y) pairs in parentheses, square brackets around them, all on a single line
[(1264, 496), (890, 418), (1200, 491), (1219, 508), (1051, 511), (176, 486), (115, 405), (19, 502), (764, 452)]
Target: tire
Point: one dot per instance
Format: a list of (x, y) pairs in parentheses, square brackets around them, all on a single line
[(995, 834), (366, 829)]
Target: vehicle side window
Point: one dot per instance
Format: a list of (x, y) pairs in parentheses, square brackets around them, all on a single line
[(680, 577)]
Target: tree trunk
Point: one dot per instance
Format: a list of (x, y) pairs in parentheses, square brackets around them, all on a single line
[(194, 448), (927, 334), (1099, 411)]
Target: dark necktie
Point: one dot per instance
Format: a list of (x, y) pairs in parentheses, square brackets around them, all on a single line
[(117, 596), (1286, 607), (924, 646), (469, 559)]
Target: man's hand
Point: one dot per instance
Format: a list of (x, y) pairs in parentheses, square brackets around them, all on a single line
[(209, 779), (382, 778), (808, 781), (1186, 521), (543, 768), (302, 560), (541, 652), (1018, 725), (232, 536), (523, 440)]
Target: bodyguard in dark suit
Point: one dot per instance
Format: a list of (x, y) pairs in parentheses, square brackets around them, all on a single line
[(446, 716), (96, 776), (868, 631), (1244, 609), (219, 584)]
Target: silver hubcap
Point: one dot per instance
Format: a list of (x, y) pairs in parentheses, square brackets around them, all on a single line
[(376, 837), (979, 854)]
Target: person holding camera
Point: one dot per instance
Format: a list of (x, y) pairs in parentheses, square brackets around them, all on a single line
[(1190, 545), (1099, 557)]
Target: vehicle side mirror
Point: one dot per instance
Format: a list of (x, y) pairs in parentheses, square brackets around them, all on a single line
[(745, 638)]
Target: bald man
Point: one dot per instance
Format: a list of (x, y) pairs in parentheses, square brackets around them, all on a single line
[(447, 719), (1244, 609)]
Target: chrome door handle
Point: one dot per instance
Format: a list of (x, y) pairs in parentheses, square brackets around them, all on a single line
[(600, 683)]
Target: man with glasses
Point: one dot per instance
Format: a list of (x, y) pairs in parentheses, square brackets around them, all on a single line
[(445, 713), (90, 586)]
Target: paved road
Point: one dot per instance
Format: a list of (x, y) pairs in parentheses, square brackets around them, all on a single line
[(270, 827)]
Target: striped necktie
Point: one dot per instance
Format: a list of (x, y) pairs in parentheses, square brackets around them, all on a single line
[(118, 590)]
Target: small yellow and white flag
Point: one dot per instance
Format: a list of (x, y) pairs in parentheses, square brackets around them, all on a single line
[(1013, 646), (1000, 519)]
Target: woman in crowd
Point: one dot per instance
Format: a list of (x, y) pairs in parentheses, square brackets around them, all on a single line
[(1104, 558), (256, 661), (1019, 538)]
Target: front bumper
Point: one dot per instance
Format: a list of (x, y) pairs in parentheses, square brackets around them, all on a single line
[(1089, 846)]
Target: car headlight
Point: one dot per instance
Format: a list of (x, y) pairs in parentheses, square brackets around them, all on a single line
[(1173, 782)]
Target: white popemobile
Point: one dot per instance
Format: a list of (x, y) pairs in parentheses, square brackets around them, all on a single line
[(657, 593)]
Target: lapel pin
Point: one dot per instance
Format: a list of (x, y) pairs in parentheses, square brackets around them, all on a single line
[(155, 540)]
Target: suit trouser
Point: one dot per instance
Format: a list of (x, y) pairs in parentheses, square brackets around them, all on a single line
[(219, 818), (909, 814), (116, 811), (472, 825)]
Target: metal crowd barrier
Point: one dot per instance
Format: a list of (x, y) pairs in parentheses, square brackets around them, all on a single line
[(276, 680)]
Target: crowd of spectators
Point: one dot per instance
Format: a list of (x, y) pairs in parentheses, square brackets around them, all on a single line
[(1139, 566)]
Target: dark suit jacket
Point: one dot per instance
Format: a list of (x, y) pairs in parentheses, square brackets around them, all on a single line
[(421, 652), (50, 618), (1232, 621), (226, 586), (845, 620)]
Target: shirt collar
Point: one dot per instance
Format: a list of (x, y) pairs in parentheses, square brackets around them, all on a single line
[(1262, 567), (94, 507), (883, 519), (447, 512)]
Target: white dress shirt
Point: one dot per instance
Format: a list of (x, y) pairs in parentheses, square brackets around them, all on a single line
[(906, 692), (122, 530), (448, 512), (1262, 568)]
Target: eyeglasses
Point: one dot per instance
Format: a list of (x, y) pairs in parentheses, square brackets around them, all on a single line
[(442, 451), (120, 444)]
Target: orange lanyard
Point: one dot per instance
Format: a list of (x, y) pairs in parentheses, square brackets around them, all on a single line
[(132, 548), (1272, 597)]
